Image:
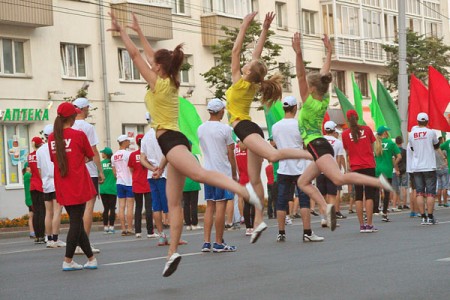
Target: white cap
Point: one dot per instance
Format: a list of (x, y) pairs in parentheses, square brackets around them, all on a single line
[(122, 138), (81, 103), (422, 117), (289, 101), (215, 105), (329, 125), (48, 129)]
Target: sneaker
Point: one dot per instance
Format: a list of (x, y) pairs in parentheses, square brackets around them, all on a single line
[(218, 248), (418, 215), (405, 207), (111, 230), (412, 214), (288, 221), (91, 264), (248, 231), (253, 197), (377, 214), (446, 205), (51, 244), (206, 247), (340, 216), (297, 216), (72, 266), (40, 240), (196, 227), (163, 240), (331, 216), (236, 226), (60, 244), (371, 228), (432, 221), (396, 209), (188, 227), (32, 235), (424, 221), (94, 250), (78, 251), (171, 265), (152, 235), (228, 226), (385, 218), (123, 233), (362, 228), (257, 232), (106, 230), (440, 204), (350, 211), (314, 213), (323, 223), (281, 238), (400, 207), (138, 235), (385, 184), (312, 238)]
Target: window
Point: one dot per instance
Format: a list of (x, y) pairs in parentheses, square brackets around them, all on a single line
[(372, 24), (309, 22), (390, 4), (431, 10), (338, 80), (328, 22), (361, 81), (349, 20), (73, 60), (414, 25), (281, 18), (186, 71), (14, 145), (375, 3), (127, 69), (285, 70), (413, 7), (390, 27), (232, 7), (433, 29), (180, 7), (12, 58)]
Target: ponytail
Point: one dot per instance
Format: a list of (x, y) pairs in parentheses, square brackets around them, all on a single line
[(320, 81), (271, 89), (171, 62), (60, 147), (354, 128), (378, 146)]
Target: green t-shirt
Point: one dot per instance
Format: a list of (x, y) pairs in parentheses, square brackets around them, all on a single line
[(384, 164), (191, 185), (446, 147), (26, 185), (109, 185), (311, 116), (275, 171)]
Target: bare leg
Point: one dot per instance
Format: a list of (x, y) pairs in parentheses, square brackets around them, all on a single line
[(254, 162), (121, 214), (130, 213), (30, 223), (229, 212), (56, 222), (48, 217), (369, 211), (157, 216), (87, 217), (220, 220), (306, 218), (430, 205), (420, 204), (208, 220)]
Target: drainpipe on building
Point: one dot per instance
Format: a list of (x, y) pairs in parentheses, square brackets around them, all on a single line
[(104, 74)]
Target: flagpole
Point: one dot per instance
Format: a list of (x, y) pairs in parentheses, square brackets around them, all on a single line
[(402, 74)]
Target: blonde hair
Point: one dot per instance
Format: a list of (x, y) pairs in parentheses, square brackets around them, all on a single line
[(378, 145), (320, 82), (271, 89)]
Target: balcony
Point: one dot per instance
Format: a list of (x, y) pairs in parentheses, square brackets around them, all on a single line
[(355, 50), (212, 27), (155, 18), (36, 13)]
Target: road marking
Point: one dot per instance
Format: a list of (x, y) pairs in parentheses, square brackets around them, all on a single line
[(444, 259), (146, 259)]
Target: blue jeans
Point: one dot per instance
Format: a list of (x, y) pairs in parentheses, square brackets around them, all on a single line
[(425, 183)]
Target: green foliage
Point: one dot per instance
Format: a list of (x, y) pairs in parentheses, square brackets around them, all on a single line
[(422, 51)]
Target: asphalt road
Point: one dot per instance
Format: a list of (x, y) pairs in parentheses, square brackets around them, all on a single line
[(404, 260)]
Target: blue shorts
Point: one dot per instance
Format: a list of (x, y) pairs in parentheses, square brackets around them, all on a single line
[(159, 198), (213, 193), (425, 183), (286, 186), (442, 179), (124, 191)]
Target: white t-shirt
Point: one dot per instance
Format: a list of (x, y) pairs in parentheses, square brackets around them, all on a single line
[(151, 149), (215, 137), (422, 141), (119, 161), (286, 134), (47, 169), (336, 144), (89, 130), (408, 158)]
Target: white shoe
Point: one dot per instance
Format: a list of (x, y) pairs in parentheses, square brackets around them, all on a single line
[(91, 264), (78, 251), (51, 244), (248, 232), (324, 223), (197, 227), (72, 266), (331, 216), (312, 238), (253, 197), (288, 221), (257, 232), (94, 250), (152, 236), (171, 265), (189, 227), (59, 243), (138, 235), (385, 183)]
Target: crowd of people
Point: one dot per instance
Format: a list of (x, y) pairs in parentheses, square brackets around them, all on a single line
[(306, 161)]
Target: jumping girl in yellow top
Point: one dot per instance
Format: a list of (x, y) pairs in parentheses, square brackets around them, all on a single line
[(162, 104)]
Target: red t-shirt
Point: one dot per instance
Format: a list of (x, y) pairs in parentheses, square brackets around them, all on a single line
[(269, 174), (76, 187), (241, 161), (360, 153), (138, 173), (36, 181)]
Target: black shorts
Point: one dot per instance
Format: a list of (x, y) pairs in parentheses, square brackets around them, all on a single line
[(49, 196), (30, 208), (170, 139), (319, 147), (325, 185), (368, 191), (245, 127), (95, 182)]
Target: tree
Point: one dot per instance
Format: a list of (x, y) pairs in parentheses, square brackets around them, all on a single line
[(421, 52), (219, 76)]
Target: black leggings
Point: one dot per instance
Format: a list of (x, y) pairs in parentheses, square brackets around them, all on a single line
[(139, 197), (37, 199), (109, 212), (190, 204), (376, 200), (249, 215), (76, 235)]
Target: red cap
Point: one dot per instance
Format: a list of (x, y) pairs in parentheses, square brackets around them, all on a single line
[(37, 141), (351, 113), (139, 137), (67, 109)]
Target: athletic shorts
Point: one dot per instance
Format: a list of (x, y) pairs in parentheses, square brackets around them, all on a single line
[(213, 193), (124, 191), (319, 147), (325, 185), (368, 191), (95, 182), (49, 196), (171, 139), (286, 186), (425, 183), (245, 127), (158, 191)]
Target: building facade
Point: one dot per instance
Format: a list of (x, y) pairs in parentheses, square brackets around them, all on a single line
[(50, 49)]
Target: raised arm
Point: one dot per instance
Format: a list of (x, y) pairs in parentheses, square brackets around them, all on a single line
[(145, 70), (148, 49), (327, 64), (263, 36), (237, 46), (300, 67)]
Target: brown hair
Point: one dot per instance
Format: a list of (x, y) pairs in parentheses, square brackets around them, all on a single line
[(271, 88), (171, 62), (354, 127), (60, 145), (320, 82)]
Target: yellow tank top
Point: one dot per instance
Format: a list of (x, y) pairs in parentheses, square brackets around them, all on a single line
[(239, 99), (163, 105)]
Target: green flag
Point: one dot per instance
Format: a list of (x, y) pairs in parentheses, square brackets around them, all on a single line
[(343, 101), (375, 110), (189, 121), (389, 110), (358, 101), (273, 114)]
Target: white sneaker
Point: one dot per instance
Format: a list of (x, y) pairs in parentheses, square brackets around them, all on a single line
[(257, 232), (72, 266), (138, 235), (288, 221), (312, 238), (152, 236), (248, 231), (91, 264), (171, 265), (331, 216), (51, 244), (106, 230), (94, 250), (324, 223), (385, 183), (253, 199), (59, 243), (78, 251), (189, 227), (197, 227)]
